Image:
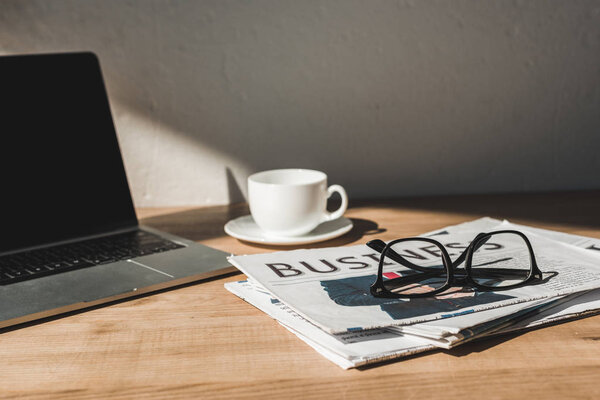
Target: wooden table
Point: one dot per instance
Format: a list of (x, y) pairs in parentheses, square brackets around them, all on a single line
[(201, 341)]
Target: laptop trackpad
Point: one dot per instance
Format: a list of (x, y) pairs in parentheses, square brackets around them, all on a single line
[(68, 288), (119, 278)]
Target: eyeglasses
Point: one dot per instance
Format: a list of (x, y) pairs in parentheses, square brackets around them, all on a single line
[(421, 267)]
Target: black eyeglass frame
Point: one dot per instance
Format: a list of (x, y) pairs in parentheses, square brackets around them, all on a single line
[(378, 288)]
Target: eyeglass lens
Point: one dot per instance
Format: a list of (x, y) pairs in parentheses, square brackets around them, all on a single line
[(503, 260), (423, 270)]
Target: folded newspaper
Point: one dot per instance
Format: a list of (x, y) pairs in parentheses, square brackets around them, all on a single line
[(322, 296)]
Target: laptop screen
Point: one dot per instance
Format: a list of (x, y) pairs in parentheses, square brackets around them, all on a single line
[(61, 172)]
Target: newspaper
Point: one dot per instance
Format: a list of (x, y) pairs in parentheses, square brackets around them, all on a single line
[(353, 349), (330, 287)]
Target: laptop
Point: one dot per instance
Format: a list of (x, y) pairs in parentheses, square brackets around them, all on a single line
[(70, 238)]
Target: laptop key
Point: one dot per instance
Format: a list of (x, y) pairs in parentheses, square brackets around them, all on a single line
[(5, 275), (35, 269), (18, 272), (58, 265)]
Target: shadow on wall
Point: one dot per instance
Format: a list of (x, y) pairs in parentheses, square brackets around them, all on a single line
[(234, 192), (390, 99)]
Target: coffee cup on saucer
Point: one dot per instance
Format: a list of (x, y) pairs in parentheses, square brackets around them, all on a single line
[(289, 206), (292, 202)]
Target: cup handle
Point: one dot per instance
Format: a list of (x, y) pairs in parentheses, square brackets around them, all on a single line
[(330, 216)]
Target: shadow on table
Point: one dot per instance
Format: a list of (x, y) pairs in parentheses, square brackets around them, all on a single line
[(480, 345), (198, 223), (578, 208), (207, 222)]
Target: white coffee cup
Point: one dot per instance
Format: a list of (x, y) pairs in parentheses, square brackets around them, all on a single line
[(292, 202)]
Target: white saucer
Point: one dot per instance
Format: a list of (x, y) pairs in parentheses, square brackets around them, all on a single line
[(244, 228)]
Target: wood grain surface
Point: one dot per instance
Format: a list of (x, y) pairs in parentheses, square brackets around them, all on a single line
[(200, 341)]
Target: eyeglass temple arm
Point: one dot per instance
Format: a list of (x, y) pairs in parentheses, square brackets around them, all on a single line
[(378, 245)]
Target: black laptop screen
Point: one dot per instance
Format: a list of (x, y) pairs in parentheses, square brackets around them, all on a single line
[(61, 170)]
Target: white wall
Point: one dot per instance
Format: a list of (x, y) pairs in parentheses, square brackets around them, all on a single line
[(391, 98)]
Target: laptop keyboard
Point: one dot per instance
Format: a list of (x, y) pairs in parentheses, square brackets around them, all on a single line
[(35, 263)]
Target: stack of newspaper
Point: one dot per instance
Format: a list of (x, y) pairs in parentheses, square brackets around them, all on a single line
[(322, 296)]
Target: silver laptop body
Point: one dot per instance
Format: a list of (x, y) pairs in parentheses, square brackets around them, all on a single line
[(70, 238)]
